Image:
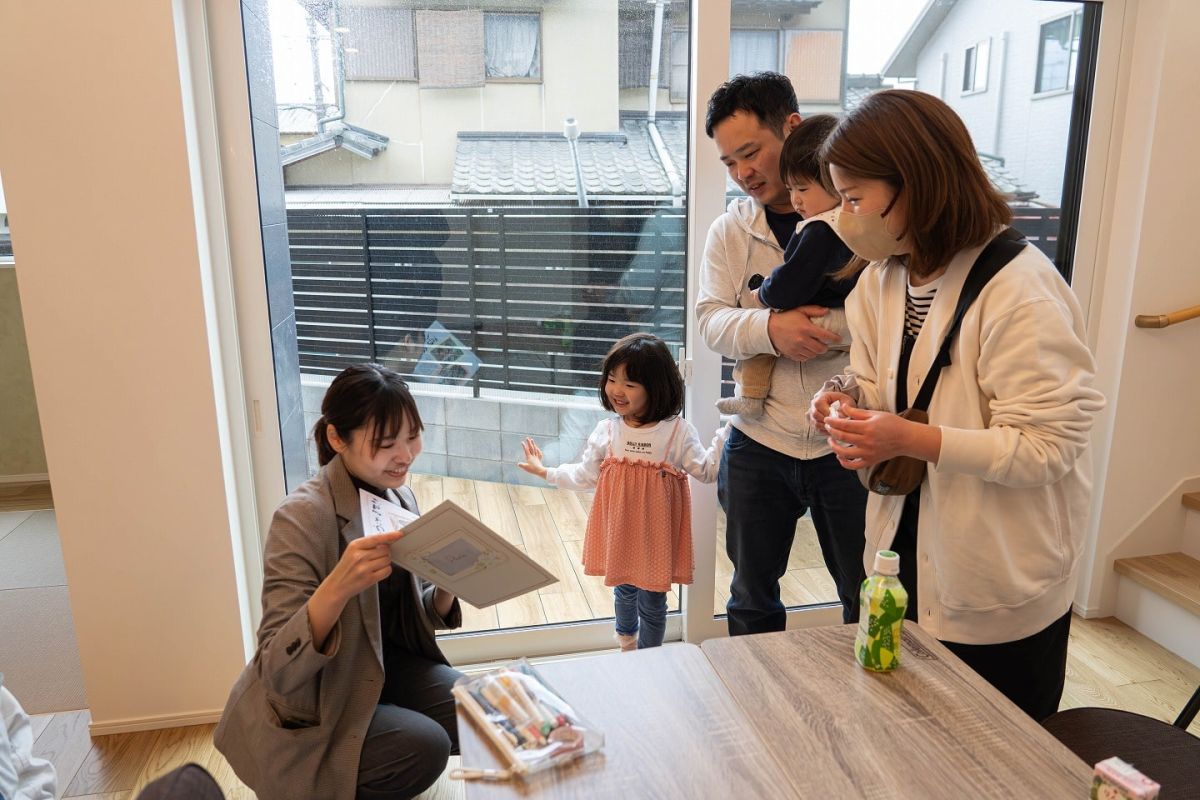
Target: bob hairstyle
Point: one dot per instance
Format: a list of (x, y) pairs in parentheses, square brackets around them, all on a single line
[(359, 396), (917, 145), (801, 154), (648, 362)]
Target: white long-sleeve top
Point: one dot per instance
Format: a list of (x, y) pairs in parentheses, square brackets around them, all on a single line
[(648, 443), (1003, 511), (22, 775)]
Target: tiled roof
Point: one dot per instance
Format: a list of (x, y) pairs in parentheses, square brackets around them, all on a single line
[(622, 163), (1003, 180)]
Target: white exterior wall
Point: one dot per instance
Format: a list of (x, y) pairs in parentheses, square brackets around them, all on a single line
[(1029, 132), (579, 78)]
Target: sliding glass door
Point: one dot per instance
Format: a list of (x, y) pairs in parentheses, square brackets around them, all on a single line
[(485, 196)]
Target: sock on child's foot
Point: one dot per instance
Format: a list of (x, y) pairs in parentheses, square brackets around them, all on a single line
[(749, 407), (628, 641)]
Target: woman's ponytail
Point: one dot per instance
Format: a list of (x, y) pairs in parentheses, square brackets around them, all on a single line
[(320, 434)]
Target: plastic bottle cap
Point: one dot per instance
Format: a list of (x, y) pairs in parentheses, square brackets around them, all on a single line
[(887, 563)]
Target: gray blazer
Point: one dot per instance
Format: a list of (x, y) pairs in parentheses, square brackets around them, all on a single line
[(294, 723)]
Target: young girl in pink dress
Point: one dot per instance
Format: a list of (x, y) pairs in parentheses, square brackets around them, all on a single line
[(639, 532)]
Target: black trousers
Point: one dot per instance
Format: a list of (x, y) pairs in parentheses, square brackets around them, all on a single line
[(764, 492), (414, 731), (1030, 671)]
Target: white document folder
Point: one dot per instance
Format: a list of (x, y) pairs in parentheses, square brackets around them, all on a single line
[(452, 549)]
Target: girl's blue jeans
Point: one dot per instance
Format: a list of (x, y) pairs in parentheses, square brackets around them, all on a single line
[(633, 604)]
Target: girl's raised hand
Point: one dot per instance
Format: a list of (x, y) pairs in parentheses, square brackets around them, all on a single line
[(533, 459)]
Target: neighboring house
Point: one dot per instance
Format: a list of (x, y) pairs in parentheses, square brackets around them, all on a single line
[(439, 85), (1008, 69)]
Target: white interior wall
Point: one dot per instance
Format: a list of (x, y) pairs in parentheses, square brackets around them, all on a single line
[(1148, 439)]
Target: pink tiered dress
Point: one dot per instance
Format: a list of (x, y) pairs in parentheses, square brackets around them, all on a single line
[(640, 529)]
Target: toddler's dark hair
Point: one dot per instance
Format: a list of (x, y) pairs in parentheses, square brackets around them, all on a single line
[(801, 154)]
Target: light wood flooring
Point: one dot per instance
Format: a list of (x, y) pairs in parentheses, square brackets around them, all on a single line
[(1108, 664), (548, 524), (25, 496)]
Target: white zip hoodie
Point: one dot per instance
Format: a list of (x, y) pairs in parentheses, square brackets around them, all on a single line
[(1003, 512), (740, 243)]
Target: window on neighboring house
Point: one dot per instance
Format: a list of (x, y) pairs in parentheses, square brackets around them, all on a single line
[(975, 67), (450, 46), (512, 46), (1058, 51), (814, 64), (753, 51), (379, 44), (635, 32), (679, 66)]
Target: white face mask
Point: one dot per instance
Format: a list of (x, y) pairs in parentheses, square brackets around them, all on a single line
[(867, 235)]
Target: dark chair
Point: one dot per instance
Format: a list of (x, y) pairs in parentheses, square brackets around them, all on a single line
[(1165, 753), (189, 782)]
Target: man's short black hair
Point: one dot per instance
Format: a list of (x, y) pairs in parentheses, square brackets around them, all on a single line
[(767, 95)]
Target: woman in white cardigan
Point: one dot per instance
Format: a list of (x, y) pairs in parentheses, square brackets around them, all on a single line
[(990, 541)]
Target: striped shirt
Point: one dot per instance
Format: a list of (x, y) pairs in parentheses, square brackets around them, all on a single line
[(916, 305)]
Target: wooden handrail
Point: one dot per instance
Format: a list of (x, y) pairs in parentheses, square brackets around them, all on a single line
[(1163, 320)]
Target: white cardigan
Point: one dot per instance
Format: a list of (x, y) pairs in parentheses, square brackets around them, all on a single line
[(1003, 512)]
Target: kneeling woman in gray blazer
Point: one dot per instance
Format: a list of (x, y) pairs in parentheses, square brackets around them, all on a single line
[(348, 695)]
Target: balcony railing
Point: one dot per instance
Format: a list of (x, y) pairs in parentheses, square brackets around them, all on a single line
[(538, 294)]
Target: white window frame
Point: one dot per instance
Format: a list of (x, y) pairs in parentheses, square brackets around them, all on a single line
[(230, 201), (1076, 18), (979, 54)]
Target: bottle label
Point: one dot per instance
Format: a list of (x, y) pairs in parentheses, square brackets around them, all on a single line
[(881, 618)]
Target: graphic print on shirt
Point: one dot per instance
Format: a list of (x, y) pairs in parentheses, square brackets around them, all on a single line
[(638, 449)]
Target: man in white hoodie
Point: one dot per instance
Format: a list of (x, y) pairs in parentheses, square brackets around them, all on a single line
[(777, 466)]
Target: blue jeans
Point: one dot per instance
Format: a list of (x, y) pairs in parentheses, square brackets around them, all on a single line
[(632, 604), (764, 493)]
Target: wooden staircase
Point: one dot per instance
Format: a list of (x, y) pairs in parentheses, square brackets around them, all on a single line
[(1170, 577), (1174, 576)]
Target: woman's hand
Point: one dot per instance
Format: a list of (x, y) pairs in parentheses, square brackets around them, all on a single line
[(868, 438), (443, 601), (818, 411), (365, 562), (533, 459)]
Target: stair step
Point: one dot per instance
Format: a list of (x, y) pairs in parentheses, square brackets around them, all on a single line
[(1175, 576), (1192, 500)]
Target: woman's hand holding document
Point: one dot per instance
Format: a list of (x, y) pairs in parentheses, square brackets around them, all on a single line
[(456, 552)]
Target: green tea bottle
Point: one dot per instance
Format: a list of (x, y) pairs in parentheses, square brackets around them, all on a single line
[(882, 602)]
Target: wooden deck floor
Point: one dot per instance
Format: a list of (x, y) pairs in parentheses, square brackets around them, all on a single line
[(548, 524)]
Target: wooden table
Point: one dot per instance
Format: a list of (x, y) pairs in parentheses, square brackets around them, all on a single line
[(931, 729), (670, 726)]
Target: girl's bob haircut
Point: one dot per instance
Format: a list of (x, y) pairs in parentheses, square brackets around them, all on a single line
[(648, 362)]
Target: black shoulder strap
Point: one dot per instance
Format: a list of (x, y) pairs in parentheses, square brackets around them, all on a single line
[(1001, 250)]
